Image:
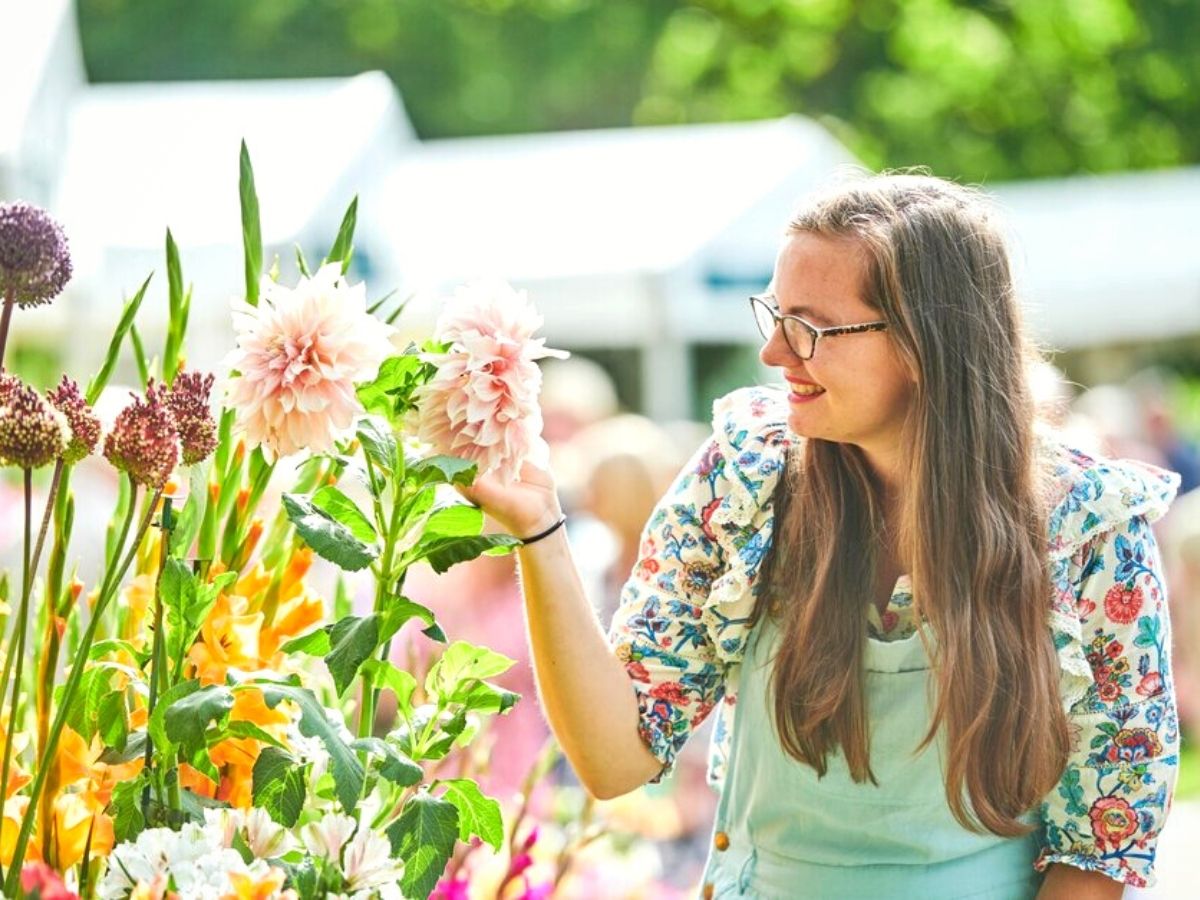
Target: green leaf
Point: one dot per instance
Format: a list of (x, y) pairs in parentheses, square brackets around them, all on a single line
[(139, 356), (329, 538), (177, 322), (353, 641), (100, 379), (344, 510), (459, 520), (135, 748), (390, 393), (279, 785), (484, 697), (251, 229), (315, 643), (243, 729), (400, 609), (424, 837), (477, 814), (461, 663), (188, 602), (125, 807), (113, 720), (302, 263), (382, 674), (443, 470), (343, 245), (379, 444), (395, 766), (187, 718), (443, 553), (315, 722)]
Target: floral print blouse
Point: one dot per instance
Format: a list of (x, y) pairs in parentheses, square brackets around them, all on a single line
[(683, 621)]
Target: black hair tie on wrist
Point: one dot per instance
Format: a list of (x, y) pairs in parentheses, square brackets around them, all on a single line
[(525, 542)]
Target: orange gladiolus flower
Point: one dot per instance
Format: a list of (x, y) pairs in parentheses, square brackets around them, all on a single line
[(258, 887), (228, 638)]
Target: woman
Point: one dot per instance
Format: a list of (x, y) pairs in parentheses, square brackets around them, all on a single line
[(937, 638)]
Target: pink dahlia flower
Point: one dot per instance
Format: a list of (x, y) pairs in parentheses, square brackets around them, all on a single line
[(482, 404), (300, 353)]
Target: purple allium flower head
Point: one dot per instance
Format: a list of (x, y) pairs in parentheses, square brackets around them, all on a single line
[(35, 264), (144, 440), (188, 401), (32, 432), (85, 427)]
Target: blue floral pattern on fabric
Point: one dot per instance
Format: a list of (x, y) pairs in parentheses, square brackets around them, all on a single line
[(683, 622)]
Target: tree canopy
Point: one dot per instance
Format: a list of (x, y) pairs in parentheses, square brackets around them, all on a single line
[(982, 90)]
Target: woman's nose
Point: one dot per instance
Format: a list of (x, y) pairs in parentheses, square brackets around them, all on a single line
[(776, 352)]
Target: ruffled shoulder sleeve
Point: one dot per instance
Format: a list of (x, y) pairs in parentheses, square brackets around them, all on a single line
[(1111, 627), (1090, 498), (751, 436), (683, 617)]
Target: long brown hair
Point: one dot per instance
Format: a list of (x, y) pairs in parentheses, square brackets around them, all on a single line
[(972, 522)]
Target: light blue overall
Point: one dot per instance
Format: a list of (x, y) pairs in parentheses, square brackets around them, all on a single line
[(787, 834)]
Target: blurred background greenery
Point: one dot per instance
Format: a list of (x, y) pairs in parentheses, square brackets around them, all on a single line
[(979, 90)]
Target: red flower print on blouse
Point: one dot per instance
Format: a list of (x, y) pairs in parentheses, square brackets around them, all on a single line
[(1123, 604), (672, 692), (1113, 821), (637, 671), (1133, 745), (649, 564), (1150, 685), (705, 515)]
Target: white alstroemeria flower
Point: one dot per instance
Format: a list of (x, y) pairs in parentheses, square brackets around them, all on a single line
[(222, 824), (327, 837), (368, 862), (265, 837)]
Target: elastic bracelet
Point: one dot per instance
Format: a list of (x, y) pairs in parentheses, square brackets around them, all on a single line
[(525, 542)]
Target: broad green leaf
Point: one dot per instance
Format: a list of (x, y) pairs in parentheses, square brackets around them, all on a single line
[(187, 718), (443, 470), (477, 813), (315, 643), (251, 229), (344, 510), (383, 674), (343, 245), (485, 697), (442, 553), (135, 748), (396, 766), (315, 722), (113, 719), (329, 538), (188, 602), (156, 725), (128, 314), (400, 609), (279, 785), (243, 729), (459, 520), (353, 641), (125, 807), (461, 663), (424, 837)]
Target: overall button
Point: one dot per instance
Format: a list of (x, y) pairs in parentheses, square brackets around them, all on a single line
[(721, 841), (708, 891)]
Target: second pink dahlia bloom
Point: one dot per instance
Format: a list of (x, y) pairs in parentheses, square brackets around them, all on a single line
[(299, 354), (482, 404)]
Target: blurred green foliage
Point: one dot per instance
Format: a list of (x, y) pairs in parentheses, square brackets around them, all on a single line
[(976, 89)]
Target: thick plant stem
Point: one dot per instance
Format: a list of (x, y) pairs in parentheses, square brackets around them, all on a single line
[(17, 648), (156, 653), (5, 320), (111, 580)]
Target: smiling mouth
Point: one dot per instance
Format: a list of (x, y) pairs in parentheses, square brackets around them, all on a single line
[(806, 390)]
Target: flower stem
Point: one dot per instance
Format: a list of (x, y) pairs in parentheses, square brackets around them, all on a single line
[(156, 663), (10, 301), (111, 580), (17, 648)]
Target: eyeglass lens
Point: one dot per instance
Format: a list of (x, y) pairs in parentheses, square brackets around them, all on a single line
[(799, 338)]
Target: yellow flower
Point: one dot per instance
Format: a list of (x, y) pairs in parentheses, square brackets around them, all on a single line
[(248, 886)]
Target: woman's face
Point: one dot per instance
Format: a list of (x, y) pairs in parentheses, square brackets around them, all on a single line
[(855, 389)]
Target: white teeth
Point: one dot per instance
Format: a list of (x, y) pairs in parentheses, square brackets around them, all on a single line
[(807, 390)]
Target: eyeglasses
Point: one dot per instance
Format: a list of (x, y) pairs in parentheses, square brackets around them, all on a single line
[(801, 335)]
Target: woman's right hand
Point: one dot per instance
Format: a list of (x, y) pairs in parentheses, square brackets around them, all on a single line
[(524, 507)]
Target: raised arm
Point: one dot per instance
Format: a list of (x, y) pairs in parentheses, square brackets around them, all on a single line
[(584, 689)]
